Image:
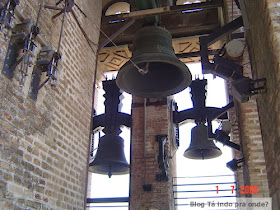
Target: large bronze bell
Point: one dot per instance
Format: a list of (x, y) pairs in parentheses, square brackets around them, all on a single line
[(201, 147), (110, 158), (154, 71)]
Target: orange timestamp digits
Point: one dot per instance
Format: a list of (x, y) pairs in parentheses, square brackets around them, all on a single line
[(217, 189), (249, 190)]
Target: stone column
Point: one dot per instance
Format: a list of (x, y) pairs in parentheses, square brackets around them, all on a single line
[(149, 190)]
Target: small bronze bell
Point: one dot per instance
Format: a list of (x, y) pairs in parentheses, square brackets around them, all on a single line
[(201, 147), (110, 158), (154, 71)]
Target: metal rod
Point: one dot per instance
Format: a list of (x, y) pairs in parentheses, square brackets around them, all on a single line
[(228, 196), (105, 206), (57, 3), (56, 15), (45, 82), (80, 10), (194, 54), (83, 32), (203, 176), (187, 191), (61, 29), (134, 64), (39, 12), (117, 33), (204, 184), (53, 8), (91, 125), (108, 200)]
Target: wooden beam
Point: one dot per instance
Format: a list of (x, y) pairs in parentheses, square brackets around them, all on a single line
[(163, 10)]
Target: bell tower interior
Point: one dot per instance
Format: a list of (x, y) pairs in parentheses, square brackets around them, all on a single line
[(54, 58)]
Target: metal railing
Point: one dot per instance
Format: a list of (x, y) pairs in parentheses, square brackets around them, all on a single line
[(189, 193), (120, 203), (204, 191)]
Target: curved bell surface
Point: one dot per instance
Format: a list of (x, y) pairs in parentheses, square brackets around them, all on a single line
[(110, 158), (162, 73), (200, 147)]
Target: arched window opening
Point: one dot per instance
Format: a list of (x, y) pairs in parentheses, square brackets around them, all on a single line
[(118, 8)]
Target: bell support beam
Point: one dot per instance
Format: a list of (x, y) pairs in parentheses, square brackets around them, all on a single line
[(112, 119), (163, 10), (219, 113), (121, 119), (212, 112), (193, 54), (200, 113)]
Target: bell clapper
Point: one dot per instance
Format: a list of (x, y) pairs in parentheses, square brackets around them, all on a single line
[(145, 69), (202, 154), (109, 173)]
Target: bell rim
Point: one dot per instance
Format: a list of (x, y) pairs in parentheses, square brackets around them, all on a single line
[(95, 169), (217, 153), (166, 58)]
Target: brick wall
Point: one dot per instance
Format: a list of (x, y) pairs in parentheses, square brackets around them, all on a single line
[(264, 53), (144, 162), (246, 129), (44, 143), (254, 173)]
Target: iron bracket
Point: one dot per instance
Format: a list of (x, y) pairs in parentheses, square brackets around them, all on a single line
[(206, 41), (7, 13), (245, 87), (176, 126), (162, 159), (222, 137)]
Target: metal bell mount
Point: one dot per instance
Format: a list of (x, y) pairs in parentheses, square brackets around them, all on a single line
[(202, 145), (110, 158)]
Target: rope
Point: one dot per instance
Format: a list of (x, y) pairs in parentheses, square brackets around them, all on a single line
[(142, 71), (39, 12), (231, 9), (61, 29)]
